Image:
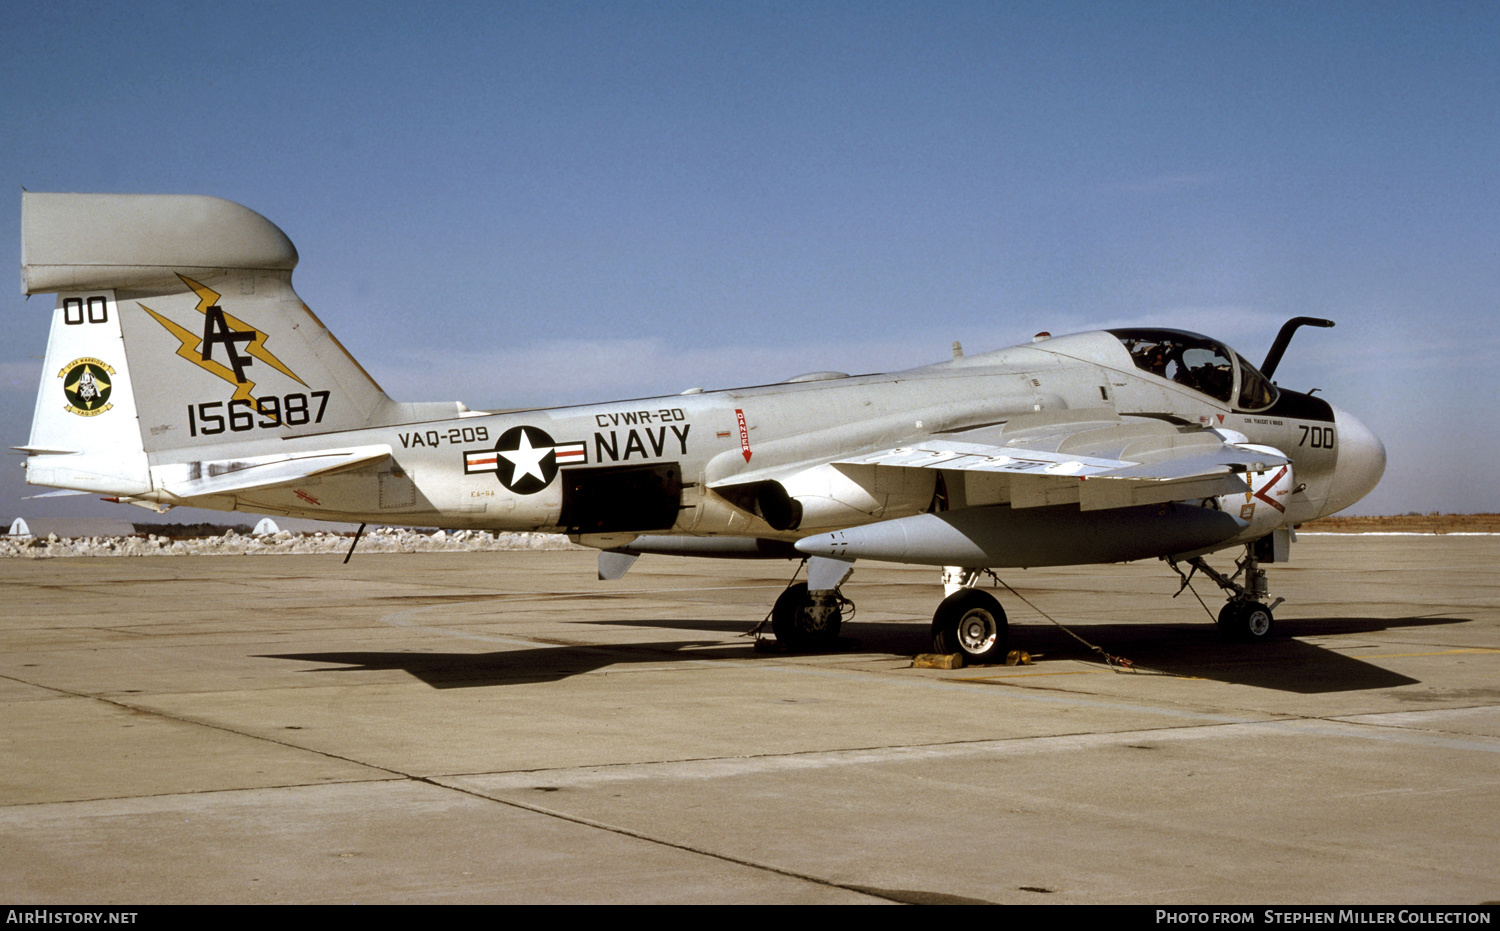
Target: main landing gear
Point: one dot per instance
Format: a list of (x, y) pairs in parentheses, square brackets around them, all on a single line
[(969, 621), (972, 623), (1245, 616)]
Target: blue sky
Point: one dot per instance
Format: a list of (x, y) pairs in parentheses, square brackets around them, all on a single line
[(530, 203)]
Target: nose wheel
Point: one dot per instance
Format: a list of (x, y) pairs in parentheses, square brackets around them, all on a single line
[(1246, 620), (1246, 616), (802, 620)]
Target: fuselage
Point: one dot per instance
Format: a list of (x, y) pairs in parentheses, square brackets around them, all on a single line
[(647, 465)]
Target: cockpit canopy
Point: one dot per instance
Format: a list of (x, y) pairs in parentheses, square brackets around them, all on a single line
[(1199, 363)]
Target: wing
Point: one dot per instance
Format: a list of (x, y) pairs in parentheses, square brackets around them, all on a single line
[(1094, 459)]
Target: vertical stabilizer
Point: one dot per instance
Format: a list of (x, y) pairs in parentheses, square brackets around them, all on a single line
[(178, 345), (199, 292), (85, 433), (234, 354)]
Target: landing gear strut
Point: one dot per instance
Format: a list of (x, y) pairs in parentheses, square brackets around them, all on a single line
[(1246, 616), (804, 620)]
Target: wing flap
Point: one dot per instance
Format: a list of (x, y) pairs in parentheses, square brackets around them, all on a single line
[(1123, 493), (975, 457)]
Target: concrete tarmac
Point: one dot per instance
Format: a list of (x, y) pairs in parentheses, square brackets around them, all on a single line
[(500, 727)]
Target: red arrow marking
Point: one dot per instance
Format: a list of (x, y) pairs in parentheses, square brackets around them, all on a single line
[(744, 433)]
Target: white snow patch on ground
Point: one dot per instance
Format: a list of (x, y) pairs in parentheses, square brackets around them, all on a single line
[(380, 540)]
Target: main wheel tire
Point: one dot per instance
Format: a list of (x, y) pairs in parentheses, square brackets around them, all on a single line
[(800, 625), (972, 623), (1246, 621)]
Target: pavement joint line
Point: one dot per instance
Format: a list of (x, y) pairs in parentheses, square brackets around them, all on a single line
[(153, 712), (401, 619), (49, 688), (659, 841), (1457, 740), (1416, 790), (551, 594), (7, 806), (819, 759), (1033, 675), (822, 759), (1336, 726), (397, 775)]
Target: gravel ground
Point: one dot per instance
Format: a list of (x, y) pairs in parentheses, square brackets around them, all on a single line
[(380, 540)]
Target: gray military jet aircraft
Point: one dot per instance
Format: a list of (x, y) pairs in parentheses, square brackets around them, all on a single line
[(183, 369)]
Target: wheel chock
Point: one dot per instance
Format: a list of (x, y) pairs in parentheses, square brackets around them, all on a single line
[(938, 661)]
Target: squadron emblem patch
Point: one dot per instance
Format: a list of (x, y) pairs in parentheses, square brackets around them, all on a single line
[(86, 385)]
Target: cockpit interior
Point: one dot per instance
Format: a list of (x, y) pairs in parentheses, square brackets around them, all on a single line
[(1200, 363)]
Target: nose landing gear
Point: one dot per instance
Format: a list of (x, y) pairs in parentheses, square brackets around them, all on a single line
[(803, 620), (1246, 616)]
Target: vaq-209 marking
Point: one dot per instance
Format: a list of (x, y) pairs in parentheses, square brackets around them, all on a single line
[(183, 369)]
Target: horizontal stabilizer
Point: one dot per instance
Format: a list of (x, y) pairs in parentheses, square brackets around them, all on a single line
[(231, 476), (43, 451), (74, 242)]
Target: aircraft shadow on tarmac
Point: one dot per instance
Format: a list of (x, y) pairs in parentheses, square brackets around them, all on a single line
[(511, 667), (1194, 650), (1285, 664)]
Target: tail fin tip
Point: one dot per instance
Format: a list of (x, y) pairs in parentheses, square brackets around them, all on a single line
[(75, 242)]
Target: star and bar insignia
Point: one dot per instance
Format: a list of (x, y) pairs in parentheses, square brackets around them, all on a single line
[(525, 459)]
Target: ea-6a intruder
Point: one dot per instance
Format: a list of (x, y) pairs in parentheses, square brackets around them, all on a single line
[(182, 369)]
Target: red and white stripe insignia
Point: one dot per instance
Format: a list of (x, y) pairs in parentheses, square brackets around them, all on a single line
[(488, 460), (485, 460)]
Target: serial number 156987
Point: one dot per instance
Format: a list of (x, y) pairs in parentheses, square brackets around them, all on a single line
[(292, 410)]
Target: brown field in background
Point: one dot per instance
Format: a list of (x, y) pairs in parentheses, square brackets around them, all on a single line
[(1407, 523)]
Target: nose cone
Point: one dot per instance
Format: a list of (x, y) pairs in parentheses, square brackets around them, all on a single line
[(1360, 465)]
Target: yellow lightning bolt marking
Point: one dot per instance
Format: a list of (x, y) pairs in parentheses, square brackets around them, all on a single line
[(207, 297), (192, 343), (190, 351)]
